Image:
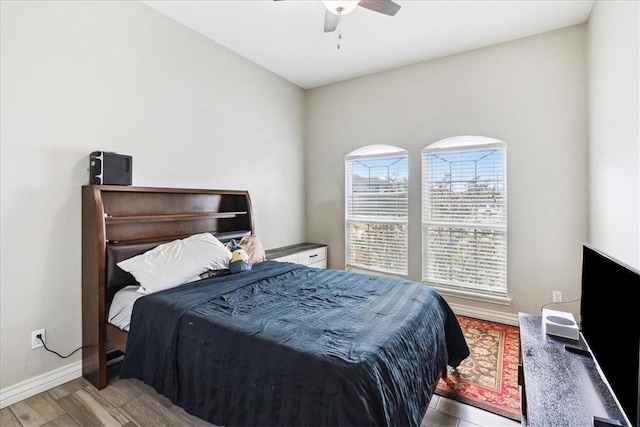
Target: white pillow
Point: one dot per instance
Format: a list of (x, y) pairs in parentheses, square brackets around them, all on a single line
[(172, 264), (122, 306)]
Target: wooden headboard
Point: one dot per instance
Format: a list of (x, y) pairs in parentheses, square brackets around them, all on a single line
[(122, 221)]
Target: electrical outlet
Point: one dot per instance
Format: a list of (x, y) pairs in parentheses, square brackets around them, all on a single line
[(35, 342), (557, 296)]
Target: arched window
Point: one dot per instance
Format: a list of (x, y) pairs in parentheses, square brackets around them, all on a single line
[(376, 209), (464, 214)]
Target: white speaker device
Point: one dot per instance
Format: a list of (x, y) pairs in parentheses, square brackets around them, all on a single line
[(559, 323)]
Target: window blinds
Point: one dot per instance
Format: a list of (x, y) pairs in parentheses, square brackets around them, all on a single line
[(376, 212), (464, 222)]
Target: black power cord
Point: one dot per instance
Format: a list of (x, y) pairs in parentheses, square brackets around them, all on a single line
[(39, 337), (558, 302)]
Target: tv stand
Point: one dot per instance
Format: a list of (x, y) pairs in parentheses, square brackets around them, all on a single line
[(559, 387)]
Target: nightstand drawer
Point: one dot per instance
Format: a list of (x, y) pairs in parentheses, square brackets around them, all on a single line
[(313, 256), (309, 254), (319, 264), (289, 258)]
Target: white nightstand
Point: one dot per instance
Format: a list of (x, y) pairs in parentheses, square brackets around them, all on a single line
[(311, 254)]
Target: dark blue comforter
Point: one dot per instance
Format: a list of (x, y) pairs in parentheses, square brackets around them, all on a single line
[(289, 345)]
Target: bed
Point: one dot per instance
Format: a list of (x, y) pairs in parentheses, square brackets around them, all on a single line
[(280, 344)]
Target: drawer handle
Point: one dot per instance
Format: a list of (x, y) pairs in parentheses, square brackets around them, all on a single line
[(313, 256)]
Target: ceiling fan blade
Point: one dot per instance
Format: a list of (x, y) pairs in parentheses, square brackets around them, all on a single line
[(330, 22), (382, 6)]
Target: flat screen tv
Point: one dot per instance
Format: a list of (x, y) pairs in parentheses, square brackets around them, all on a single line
[(610, 324)]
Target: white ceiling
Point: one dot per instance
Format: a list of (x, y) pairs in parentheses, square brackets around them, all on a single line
[(287, 37)]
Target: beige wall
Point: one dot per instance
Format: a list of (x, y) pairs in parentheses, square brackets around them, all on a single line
[(119, 76), (531, 93), (614, 129), (81, 76)]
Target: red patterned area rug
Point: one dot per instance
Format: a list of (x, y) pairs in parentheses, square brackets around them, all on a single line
[(488, 378)]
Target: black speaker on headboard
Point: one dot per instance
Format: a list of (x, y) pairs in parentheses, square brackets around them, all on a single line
[(109, 168)]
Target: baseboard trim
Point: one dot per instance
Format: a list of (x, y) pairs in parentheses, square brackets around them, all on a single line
[(35, 385), (484, 314)]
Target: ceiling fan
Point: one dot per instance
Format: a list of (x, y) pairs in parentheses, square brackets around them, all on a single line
[(336, 9)]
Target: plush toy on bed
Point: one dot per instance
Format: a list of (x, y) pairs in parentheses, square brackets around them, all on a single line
[(239, 258)]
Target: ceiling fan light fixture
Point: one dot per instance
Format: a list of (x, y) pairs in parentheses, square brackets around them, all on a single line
[(340, 7)]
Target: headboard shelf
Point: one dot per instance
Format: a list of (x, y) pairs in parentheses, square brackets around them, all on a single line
[(223, 237), (110, 219), (132, 219)]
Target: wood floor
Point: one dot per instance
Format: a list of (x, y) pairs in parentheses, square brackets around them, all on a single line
[(131, 403)]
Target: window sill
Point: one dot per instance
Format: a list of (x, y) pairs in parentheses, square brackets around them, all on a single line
[(374, 272), (473, 296)]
